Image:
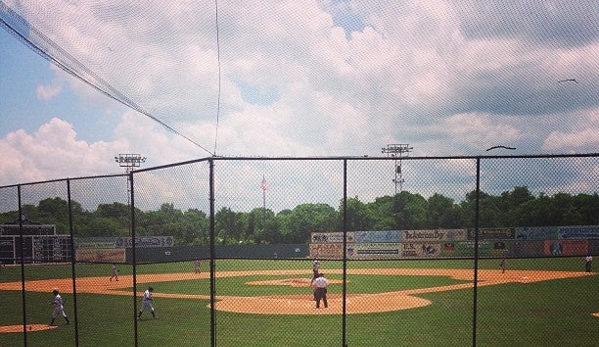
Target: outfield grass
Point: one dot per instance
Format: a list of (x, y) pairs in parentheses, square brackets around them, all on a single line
[(547, 313)]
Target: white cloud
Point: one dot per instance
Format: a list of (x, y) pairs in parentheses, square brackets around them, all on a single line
[(50, 153), (47, 92), (447, 77)]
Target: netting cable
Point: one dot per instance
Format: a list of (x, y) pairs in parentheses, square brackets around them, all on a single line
[(219, 76), (101, 86)]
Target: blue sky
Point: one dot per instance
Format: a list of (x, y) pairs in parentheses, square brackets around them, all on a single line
[(24, 76), (318, 78)]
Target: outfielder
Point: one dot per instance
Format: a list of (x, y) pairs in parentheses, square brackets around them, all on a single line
[(196, 266), (58, 307), (147, 303)]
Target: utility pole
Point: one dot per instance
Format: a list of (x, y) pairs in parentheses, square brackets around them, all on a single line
[(397, 151)]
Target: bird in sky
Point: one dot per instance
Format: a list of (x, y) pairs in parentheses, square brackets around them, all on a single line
[(568, 80), (504, 147)]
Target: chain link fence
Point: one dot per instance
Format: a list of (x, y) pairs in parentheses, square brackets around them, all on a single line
[(451, 251)]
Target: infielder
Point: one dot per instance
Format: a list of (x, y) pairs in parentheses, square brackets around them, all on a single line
[(115, 273), (147, 303), (58, 307)]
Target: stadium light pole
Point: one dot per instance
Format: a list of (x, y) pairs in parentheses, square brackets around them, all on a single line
[(129, 162), (397, 151)]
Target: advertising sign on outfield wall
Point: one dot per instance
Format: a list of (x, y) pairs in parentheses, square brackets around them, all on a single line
[(373, 250), (100, 255), (492, 233), (331, 237), (380, 236), (465, 249), (420, 250), (536, 233), (435, 235), (95, 242), (578, 232), (122, 242), (533, 248), (560, 248), (326, 250), (145, 242)]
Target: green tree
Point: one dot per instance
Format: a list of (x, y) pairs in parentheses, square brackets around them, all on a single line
[(442, 212)]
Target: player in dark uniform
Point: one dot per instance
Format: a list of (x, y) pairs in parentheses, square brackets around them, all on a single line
[(315, 270)]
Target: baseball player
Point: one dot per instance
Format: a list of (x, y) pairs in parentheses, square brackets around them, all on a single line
[(196, 266), (315, 270), (503, 260), (320, 290), (58, 307), (147, 302), (115, 273)]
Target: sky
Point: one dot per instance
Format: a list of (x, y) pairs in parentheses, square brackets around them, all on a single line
[(292, 78)]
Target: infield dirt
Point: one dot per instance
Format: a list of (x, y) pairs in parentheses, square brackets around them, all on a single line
[(303, 303)]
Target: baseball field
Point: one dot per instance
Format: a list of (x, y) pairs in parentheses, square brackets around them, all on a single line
[(536, 302)]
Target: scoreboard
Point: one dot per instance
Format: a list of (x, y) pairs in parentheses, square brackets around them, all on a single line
[(28, 229), (51, 249), (40, 244)]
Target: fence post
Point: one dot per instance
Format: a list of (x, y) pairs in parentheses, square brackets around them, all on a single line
[(212, 260), (73, 273), (476, 226), (344, 310), (22, 249)]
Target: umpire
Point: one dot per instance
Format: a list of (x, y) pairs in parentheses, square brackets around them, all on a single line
[(320, 290)]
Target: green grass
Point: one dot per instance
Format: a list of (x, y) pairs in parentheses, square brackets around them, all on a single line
[(548, 313)]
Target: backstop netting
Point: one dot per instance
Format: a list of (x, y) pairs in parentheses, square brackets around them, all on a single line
[(230, 248)]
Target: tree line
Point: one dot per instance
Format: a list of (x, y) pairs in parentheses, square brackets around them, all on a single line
[(403, 211)]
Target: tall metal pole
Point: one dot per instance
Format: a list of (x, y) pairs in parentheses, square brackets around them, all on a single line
[(397, 151), (129, 162), (264, 187)]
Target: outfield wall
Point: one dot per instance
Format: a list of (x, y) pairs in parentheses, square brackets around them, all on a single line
[(564, 241)]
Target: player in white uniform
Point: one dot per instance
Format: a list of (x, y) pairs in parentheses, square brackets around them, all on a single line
[(147, 302), (58, 307), (115, 273)]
